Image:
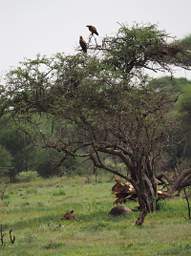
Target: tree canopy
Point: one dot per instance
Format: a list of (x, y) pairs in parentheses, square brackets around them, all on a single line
[(103, 104)]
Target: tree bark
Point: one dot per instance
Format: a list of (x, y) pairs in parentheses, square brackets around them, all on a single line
[(145, 186)]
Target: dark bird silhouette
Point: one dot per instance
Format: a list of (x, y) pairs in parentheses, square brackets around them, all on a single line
[(92, 29), (83, 44)]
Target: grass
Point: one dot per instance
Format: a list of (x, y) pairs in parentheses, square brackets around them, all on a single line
[(34, 210)]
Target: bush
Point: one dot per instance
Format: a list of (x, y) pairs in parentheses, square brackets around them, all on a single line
[(5, 157), (59, 192)]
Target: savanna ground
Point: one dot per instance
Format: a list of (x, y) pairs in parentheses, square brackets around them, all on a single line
[(34, 210)]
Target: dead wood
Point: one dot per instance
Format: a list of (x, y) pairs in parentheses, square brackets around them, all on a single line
[(183, 181), (126, 191)]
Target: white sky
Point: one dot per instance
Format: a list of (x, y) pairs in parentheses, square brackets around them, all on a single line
[(29, 27)]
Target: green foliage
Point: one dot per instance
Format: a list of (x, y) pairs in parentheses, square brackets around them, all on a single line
[(5, 161), (48, 162), (59, 192), (186, 42), (184, 111), (17, 142), (131, 46), (170, 85), (5, 157), (184, 104), (179, 145)]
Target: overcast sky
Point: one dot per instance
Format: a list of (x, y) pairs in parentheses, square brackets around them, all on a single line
[(29, 27)]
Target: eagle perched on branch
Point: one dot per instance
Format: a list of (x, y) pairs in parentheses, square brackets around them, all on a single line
[(83, 44), (92, 29)]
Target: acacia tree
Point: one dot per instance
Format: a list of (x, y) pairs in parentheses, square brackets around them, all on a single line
[(104, 104)]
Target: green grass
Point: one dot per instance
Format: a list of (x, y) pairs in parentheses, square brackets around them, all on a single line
[(34, 210)]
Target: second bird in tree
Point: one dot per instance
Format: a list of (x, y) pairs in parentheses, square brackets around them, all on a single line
[(92, 29), (83, 44)]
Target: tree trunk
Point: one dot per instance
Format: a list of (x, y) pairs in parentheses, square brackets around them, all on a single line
[(145, 186), (147, 203)]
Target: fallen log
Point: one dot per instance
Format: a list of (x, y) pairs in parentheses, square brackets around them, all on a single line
[(125, 191), (183, 181)]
